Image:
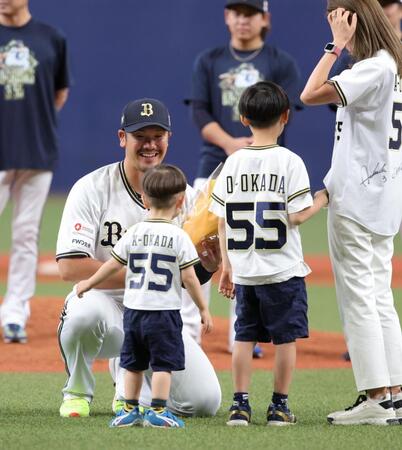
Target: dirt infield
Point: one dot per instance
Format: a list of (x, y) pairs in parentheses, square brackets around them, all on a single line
[(41, 353)]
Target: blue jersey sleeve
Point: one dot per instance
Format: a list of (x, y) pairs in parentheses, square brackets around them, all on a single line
[(62, 72), (201, 80)]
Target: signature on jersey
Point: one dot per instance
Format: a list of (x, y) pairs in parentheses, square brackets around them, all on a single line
[(397, 171), (368, 174)]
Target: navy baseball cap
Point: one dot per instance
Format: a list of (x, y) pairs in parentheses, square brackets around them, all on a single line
[(259, 5), (145, 112)]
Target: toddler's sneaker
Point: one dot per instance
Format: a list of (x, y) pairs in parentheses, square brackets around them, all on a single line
[(365, 411), (134, 418), (162, 419), (280, 415), (240, 415)]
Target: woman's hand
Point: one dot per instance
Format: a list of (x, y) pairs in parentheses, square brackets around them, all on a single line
[(343, 26)]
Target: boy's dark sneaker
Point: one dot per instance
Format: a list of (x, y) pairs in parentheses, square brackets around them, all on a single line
[(240, 415), (280, 415)]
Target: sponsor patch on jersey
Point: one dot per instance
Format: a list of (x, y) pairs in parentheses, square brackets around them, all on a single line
[(80, 243), (83, 229)]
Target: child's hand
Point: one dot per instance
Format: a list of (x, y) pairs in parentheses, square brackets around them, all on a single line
[(322, 197), (206, 321), (226, 287), (82, 287)]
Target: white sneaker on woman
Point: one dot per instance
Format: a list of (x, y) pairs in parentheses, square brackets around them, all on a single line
[(366, 411)]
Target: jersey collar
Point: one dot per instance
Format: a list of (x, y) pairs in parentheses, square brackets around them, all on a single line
[(260, 147), (134, 195), (158, 221)]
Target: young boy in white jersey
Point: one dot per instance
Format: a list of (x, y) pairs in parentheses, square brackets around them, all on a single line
[(261, 196), (160, 256)]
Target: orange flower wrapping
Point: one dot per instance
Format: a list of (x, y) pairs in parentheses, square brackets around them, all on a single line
[(202, 224)]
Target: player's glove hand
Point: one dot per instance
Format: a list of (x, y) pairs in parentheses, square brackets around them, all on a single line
[(209, 253)]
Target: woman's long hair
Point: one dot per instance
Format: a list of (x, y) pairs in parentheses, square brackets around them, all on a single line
[(373, 32)]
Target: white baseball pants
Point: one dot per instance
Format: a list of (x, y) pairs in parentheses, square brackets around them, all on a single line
[(92, 328), (361, 262), (27, 190)]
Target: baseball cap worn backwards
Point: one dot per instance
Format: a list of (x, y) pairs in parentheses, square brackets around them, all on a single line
[(145, 112), (259, 5)]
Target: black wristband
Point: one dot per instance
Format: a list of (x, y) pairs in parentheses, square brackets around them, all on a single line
[(202, 274)]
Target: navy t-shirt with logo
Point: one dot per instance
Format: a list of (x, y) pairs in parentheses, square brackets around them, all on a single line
[(33, 65), (219, 80)]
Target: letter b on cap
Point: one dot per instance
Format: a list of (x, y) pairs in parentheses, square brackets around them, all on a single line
[(147, 109)]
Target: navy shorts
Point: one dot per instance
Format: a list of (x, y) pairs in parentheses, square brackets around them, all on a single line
[(152, 338), (272, 312)]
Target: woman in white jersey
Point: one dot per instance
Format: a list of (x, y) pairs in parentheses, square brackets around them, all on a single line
[(365, 209)]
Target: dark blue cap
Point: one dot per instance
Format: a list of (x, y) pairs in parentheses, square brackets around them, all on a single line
[(145, 112), (259, 5)]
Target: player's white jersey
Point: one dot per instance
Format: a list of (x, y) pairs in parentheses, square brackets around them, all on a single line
[(256, 190), (154, 252), (365, 179), (100, 207)]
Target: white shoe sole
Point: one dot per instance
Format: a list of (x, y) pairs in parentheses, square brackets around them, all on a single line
[(134, 424), (274, 423), (15, 340), (368, 421), (237, 423), (149, 424)]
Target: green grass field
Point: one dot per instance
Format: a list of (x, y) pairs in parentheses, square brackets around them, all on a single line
[(29, 418), (29, 402)]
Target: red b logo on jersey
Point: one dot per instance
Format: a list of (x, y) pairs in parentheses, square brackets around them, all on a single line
[(78, 226)]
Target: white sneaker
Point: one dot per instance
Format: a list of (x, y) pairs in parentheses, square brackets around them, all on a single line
[(397, 401), (365, 411)]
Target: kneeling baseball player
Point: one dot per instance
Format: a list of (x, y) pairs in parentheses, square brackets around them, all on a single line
[(159, 257)]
